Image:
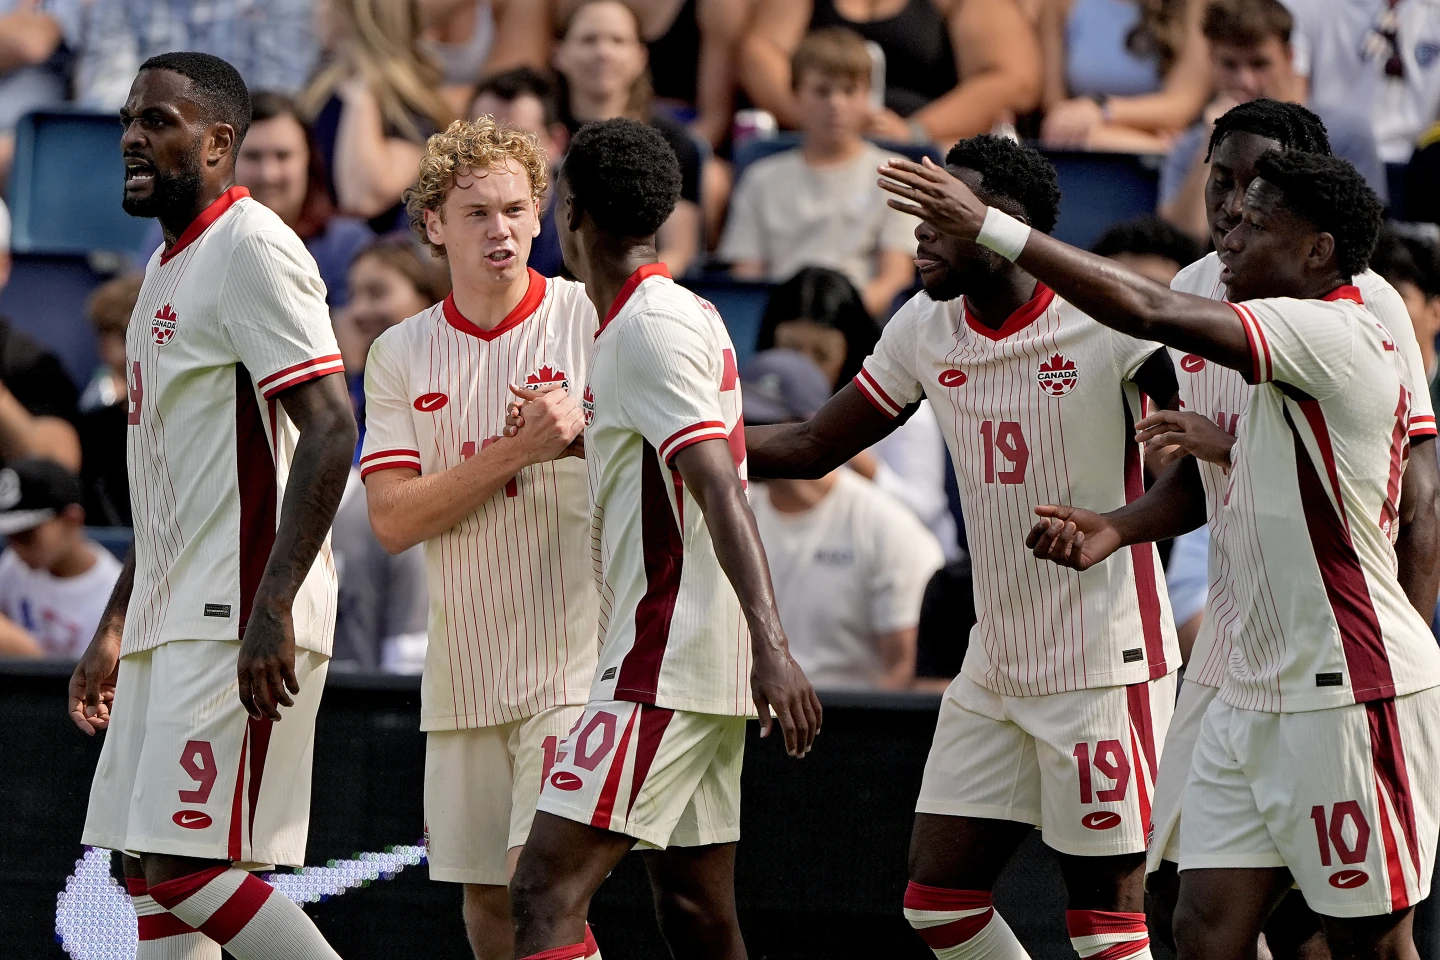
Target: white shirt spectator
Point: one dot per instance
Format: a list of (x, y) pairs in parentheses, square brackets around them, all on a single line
[(1187, 576), (1339, 48), (912, 470), (61, 613), (846, 571)]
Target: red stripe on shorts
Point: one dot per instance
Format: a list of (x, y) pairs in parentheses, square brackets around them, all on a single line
[(605, 806)]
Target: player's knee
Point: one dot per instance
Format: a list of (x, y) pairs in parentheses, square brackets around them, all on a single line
[(1197, 936), (540, 897), (486, 910), (685, 919)]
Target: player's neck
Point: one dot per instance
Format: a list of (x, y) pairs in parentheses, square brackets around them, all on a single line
[(174, 224), (800, 496), (487, 305), (992, 303), (609, 264)]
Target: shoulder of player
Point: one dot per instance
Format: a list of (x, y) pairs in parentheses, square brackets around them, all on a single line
[(572, 300), (255, 227), (1200, 278), (667, 309)]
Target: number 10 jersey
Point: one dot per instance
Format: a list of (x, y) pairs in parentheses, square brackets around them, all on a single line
[(1041, 410)]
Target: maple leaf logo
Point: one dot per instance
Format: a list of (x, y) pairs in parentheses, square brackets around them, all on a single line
[(587, 403), (1057, 376), (162, 328), (545, 375)]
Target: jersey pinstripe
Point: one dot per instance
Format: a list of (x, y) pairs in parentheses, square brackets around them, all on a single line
[(663, 377), (1307, 599), (1221, 394), (233, 315), (1040, 411), (513, 607)]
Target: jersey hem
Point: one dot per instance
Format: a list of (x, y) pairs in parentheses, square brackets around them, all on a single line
[(127, 649), (715, 708), (1136, 673), (443, 723), (1309, 704)]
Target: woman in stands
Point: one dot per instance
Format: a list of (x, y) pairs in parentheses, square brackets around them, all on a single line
[(471, 39), (373, 104), (1122, 75), (953, 68), (602, 65)]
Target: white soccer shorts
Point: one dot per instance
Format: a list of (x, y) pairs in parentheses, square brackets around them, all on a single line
[(1080, 765), (481, 786), (664, 777), (1345, 798), (1175, 758), (184, 769)]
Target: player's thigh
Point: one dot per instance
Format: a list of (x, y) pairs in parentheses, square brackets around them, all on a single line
[(534, 743), (1346, 795), (1175, 757), (468, 777), (1220, 912), (113, 787), (1098, 753)]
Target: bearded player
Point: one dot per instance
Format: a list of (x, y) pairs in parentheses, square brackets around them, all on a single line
[(1316, 763), (208, 664), (506, 525), (691, 637), (1057, 716)]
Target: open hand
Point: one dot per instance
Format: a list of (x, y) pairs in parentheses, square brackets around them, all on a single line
[(1072, 537), (266, 665), (1068, 124), (778, 683), (92, 685), (934, 195), (1172, 434), (547, 420)]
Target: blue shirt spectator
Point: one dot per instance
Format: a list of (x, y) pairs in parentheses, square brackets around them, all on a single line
[(1098, 61), (35, 57)]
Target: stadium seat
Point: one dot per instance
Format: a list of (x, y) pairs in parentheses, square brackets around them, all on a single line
[(741, 304), (46, 299), (1395, 184), (66, 185), (1101, 189), (760, 148), (115, 539)]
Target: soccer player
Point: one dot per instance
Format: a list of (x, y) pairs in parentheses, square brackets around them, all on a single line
[(688, 617), (506, 525), (208, 664), (1316, 764), (1214, 399), (1057, 716)]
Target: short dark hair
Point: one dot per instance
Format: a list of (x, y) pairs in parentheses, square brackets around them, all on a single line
[(1288, 124), (215, 85), (1331, 194), (1246, 23), (1148, 236), (511, 85), (624, 174), (1014, 172), (1400, 259)]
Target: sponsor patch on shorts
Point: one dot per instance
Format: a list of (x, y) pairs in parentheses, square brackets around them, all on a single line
[(609, 674), (1133, 655), (217, 610), (1330, 679)]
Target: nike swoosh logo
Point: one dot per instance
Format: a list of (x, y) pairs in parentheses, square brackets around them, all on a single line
[(430, 403)]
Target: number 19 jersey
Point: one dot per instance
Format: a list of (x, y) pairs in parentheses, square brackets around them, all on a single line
[(1039, 411)]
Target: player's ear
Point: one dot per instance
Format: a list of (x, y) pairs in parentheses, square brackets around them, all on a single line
[(222, 142), (535, 231), (434, 227), (1322, 250), (572, 212)]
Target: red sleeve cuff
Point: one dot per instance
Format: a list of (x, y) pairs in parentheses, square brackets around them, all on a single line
[(298, 373), (388, 460), (876, 394), (688, 436), (1261, 369)]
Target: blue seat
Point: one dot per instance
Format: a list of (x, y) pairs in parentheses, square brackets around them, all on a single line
[(115, 539), (741, 304), (1395, 183), (1099, 190), (46, 298), (66, 184), (752, 150)]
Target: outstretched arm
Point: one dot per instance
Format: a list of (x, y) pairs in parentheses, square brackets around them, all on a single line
[(846, 425), (1113, 295), (1418, 548), (708, 469)]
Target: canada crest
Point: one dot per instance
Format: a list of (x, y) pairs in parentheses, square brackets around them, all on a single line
[(162, 328), (545, 376), (1056, 376), (587, 403)]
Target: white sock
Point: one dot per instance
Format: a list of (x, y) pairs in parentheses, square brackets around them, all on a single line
[(244, 914), (162, 935), (1108, 935), (960, 924)]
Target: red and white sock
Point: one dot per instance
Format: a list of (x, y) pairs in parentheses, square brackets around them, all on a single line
[(162, 935), (960, 924), (587, 949), (1106, 935), (244, 914)]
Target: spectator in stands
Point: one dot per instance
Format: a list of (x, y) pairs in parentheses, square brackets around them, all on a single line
[(283, 169), (54, 581), (1377, 58), (953, 68), (848, 561), (947, 614), (601, 61), (105, 405), (818, 313), (373, 105), (471, 39), (383, 609), (1252, 57), (1412, 267), (529, 101), (37, 397), (1122, 74), (34, 62), (389, 281), (271, 42), (1149, 246), (819, 205)]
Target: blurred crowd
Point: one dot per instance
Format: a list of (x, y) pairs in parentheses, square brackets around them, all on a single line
[(869, 563)]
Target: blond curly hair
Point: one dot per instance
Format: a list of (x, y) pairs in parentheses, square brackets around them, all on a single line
[(465, 146)]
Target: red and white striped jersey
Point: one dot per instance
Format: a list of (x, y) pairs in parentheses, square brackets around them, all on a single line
[(1041, 410), (229, 318), (663, 377), (1308, 600), (513, 607), (1221, 394)]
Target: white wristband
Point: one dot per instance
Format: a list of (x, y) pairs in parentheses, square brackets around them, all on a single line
[(1003, 234)]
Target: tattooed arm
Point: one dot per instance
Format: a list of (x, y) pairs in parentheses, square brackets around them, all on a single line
[(318, 470)]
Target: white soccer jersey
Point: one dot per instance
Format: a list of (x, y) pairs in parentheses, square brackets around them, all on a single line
[(233, 315), (1039, 411), (1308, 598), (663, 377), (513, 608), (1221, 394)]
